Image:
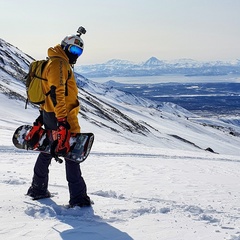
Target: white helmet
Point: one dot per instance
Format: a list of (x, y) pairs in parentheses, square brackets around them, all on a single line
[(74, 39)]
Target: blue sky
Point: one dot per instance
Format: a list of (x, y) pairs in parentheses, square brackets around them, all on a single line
[(133, 30)]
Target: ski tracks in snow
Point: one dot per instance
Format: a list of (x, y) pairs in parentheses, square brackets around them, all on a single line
[(137, 196), (178, 215), (179, 193)]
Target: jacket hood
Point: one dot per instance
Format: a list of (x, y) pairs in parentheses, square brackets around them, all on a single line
[(57, 51)]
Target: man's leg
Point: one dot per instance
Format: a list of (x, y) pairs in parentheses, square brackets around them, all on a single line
[(77, 185), (40, 178)]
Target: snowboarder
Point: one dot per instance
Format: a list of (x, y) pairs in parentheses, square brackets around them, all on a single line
[(58, 114)]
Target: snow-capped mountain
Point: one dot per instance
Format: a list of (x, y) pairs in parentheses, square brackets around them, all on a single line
[(154, 67), (13, 62), (115, 62), (153, 61), (148, 173), (123, 114)]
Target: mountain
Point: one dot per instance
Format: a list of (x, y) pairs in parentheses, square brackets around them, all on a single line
[(122, 114), (13, 62), (115, 62), (148, 173), (13, 67), (154, 67), (153, 61)]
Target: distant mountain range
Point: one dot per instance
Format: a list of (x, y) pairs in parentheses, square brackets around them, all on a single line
[(155, 67)]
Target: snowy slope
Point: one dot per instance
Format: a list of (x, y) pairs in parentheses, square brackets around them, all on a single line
[(141, 191), (142, 120), (148, 173)]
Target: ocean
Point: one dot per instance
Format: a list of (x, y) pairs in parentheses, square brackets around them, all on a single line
[(170, 78), (204, 95)]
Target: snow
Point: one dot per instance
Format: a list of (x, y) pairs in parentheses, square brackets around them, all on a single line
[(155, 67), (140, 191), (155, 184)]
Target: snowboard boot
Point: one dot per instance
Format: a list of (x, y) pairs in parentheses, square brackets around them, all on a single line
[(36, 194), (85, 202)]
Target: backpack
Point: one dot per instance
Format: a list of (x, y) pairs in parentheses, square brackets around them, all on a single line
[(34, 80)]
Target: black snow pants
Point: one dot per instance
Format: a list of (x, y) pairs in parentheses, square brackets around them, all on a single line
[(76, 183)]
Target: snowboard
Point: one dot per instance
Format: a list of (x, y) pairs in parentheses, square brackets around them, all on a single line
[(80, 144)]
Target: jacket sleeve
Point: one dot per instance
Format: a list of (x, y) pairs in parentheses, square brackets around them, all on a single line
[(57, 76)]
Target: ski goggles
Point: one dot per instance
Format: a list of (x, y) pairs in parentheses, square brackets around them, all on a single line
[(75, 50)]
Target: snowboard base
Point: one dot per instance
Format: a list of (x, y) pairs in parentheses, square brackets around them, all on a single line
[(80, 145)]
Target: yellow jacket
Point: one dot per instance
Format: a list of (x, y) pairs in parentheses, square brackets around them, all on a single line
[(62, 100)]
